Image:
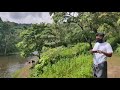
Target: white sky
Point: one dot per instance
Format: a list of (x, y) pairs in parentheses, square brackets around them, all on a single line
[(26, 17)]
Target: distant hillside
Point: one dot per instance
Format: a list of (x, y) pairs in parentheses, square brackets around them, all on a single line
[(9, 36), (15, 24)]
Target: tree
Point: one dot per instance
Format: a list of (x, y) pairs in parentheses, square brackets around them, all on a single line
[(89, 23), (6, 35), (81, 20), (32, 39)]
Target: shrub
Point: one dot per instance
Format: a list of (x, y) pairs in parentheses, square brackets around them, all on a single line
[(61, 55), (118, 49), (78, 67), (114, 41), (55, 54)]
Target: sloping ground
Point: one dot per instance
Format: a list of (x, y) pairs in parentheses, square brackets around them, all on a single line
[(25, 71), (114, 67), (22, 73)]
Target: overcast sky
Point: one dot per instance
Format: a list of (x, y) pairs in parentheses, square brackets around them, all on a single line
[(26, 17)]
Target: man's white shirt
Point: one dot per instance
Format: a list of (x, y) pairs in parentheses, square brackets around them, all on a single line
[(100, 57)]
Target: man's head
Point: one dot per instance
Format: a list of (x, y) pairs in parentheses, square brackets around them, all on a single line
[(99, 37)]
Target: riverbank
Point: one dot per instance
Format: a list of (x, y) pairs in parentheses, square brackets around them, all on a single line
[(22, 73), (9, 64), (9, 54), (25, 71)]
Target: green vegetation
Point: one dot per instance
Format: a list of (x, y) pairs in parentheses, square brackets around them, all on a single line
[(63, 46), (9, 37), (118, 49), (64, 63), (78, 67), (22, 73), (16, 74)]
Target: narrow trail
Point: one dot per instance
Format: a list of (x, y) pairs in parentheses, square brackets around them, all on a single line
[(114, 67), (25, 71)]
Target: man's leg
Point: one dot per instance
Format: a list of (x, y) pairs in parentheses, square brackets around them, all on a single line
[(104, 73), (102, 70), (94, 71)]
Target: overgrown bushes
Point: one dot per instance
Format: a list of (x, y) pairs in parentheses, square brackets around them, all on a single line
[(118, 49), (114, 41), (64, 62)]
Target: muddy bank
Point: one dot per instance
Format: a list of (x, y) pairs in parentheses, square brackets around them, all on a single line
[(9, 64), (25, 71)]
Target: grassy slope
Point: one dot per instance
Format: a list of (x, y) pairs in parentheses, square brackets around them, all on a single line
[(78, 67), (72, 62), (22, 73)]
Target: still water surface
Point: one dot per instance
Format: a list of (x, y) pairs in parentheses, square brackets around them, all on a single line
[(9, 64)]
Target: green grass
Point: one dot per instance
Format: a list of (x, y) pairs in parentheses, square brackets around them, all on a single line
[(61, 62), (78, 67), (22, 73), (16, 74), (55, 54)]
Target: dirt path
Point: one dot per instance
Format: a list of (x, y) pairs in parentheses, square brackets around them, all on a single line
[(114, 67), (25, 71)]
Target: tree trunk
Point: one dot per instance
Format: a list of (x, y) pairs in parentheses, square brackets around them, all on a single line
[(5, 51), (39, 54), (64, 44), (95, 30), (90, 43)]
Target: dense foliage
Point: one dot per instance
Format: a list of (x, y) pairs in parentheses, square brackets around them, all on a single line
[(9, 37), (65, 62)]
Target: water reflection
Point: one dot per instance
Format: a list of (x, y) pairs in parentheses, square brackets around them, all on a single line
[(9, 64)]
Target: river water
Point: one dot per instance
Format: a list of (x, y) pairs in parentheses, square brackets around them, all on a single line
[(9, 64)]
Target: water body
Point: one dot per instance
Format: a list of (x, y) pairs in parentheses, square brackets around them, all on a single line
[(9, 64)]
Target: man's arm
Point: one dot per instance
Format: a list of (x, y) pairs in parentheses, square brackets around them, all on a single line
[(91, 51), (109, 51), (98, 51), (107, 54), (94, 50)]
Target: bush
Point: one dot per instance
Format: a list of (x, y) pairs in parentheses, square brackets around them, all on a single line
[(118, 49), (77, 67), (16, 74), (59, 54), (113, 42), (82, 48), (55, 54)]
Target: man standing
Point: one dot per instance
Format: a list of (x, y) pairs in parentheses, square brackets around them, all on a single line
[(101, 51)]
